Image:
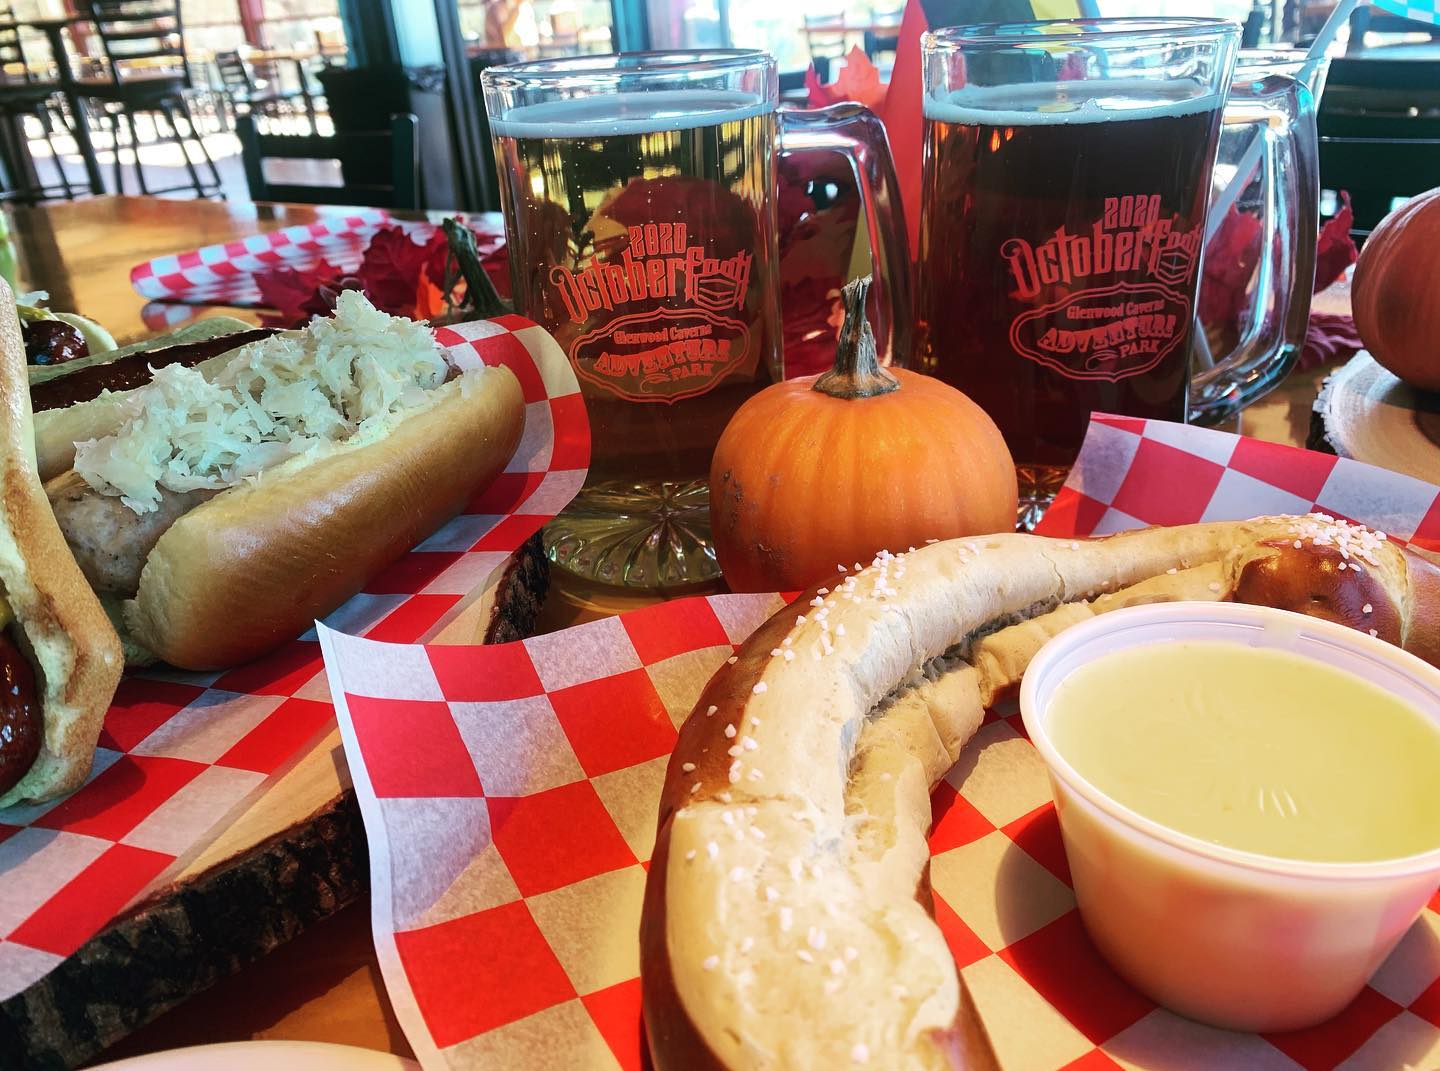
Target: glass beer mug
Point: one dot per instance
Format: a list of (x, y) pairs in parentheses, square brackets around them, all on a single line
[(1067, 173), (639, 195)]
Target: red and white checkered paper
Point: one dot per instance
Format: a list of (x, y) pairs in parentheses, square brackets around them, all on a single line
[(182, 754), (510, 796), (224, 274)]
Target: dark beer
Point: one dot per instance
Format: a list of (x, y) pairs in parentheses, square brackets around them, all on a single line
[(1060, 248), (640, 238)]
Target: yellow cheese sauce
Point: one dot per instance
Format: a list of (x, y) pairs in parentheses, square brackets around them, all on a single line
[(1254, 748)]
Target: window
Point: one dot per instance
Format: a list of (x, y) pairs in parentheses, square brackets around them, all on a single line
[(792, 33), (296, 23), (215, 25), (537, 28), (212, 25)]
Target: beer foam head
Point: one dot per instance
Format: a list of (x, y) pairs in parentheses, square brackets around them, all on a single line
[(630, 113), (1086, 101)]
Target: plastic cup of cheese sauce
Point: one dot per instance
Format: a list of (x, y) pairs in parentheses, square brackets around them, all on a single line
[(1232, 937)]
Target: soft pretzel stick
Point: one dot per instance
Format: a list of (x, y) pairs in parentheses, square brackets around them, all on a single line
[(787, 920)]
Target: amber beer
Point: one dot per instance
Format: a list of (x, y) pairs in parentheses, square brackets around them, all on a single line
[(1060, 250), (639, 238)]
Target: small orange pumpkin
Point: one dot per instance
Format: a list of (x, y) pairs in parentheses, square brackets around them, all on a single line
[(1395, 295), (824, 471)]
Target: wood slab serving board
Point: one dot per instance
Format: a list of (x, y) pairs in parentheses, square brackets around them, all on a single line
[(296, 856), (1366, 413)]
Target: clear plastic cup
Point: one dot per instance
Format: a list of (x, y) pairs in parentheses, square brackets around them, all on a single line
[(1227, 937)]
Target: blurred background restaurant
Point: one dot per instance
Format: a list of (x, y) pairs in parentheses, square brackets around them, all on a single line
[(194, 98)]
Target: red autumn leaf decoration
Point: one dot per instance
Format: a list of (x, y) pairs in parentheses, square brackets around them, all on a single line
[(396, 273), (858, 80), (1335, 250), (810, 323), (1331, 337), (296, 296), (1232, 253), (393, 267), (1229, 262), (429, 300)]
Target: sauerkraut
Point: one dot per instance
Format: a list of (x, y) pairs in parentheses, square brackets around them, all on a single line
[(285, 396)]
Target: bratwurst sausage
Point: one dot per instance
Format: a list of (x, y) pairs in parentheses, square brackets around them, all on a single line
[(111, 541), (133, 370)]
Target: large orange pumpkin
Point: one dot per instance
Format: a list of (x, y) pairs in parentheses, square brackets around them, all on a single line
[(1396, 292), (824, 471)]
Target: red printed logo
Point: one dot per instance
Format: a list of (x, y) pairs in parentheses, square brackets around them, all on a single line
[(1118, 291), (660, 352), (1121, 330), (660, 356)]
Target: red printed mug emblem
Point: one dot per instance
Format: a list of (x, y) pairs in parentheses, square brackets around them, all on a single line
[(1110, 333), (660, 352), (1119, 291), (660, 356)]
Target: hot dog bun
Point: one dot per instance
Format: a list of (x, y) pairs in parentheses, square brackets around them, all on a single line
[(787, 917), (255, 565), (61, 626)]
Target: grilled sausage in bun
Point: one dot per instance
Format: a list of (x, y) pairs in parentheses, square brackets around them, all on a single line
[(219, 509)]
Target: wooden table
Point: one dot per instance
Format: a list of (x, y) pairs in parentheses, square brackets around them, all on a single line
[(325, 985), (82, 251)]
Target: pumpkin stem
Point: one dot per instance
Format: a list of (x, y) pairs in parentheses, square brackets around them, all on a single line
[(857, 372)]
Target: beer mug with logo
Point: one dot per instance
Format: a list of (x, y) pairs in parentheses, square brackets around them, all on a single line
[(1067, 172), (640, 203)]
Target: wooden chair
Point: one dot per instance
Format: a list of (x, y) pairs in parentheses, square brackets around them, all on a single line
[(144, 52), (380, 169), (252, 91), (24, 92), (825, 35), (881, 42), (1379, 126)]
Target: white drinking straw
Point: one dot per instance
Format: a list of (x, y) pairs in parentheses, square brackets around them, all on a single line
[(1309, 72), (1225, 199), (1245, 169)]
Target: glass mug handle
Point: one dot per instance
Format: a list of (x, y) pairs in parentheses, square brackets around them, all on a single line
[(1285, 149), (857, 134)]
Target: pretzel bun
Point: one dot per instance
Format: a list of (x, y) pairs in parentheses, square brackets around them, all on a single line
[(59, 624), (787, 921), (258, 563)]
